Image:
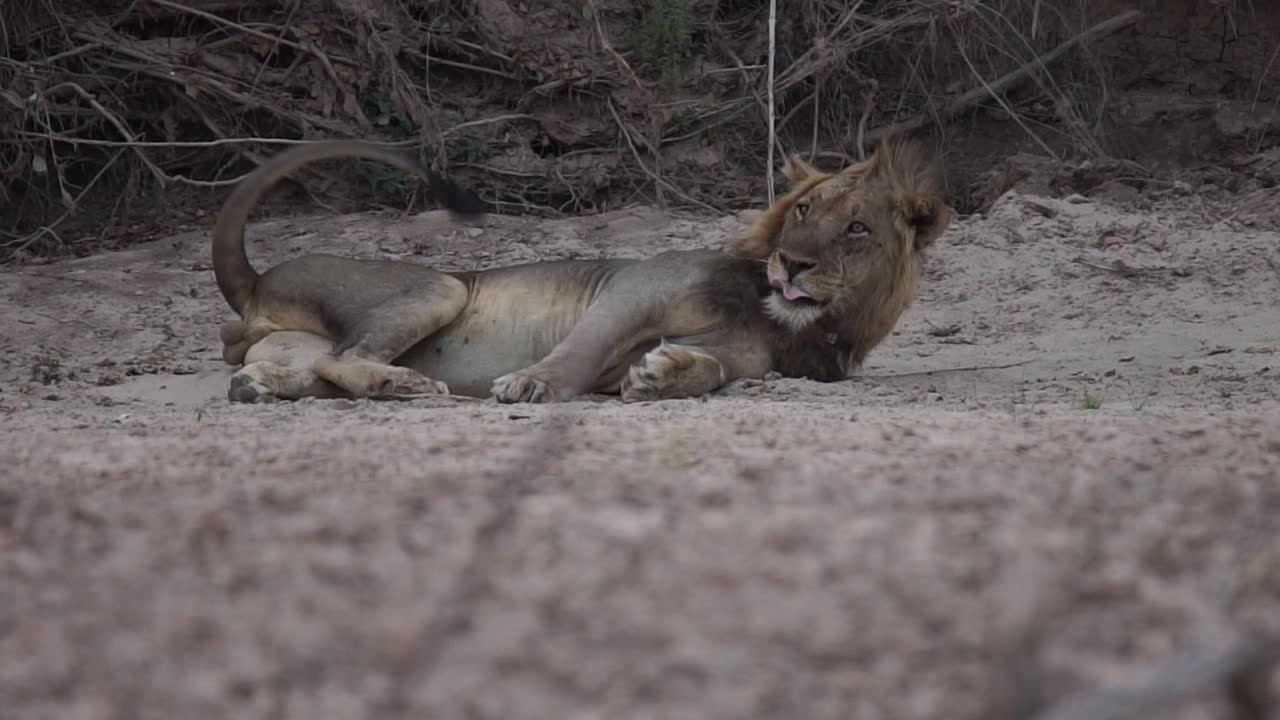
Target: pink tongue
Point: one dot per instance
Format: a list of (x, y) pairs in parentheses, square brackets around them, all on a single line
[(791, 292)]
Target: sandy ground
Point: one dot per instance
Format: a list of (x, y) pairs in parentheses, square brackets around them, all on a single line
[(1083, 394)]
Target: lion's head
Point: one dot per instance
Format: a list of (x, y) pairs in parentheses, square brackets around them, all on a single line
[(847, 245)]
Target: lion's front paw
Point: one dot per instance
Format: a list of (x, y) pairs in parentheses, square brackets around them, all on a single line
[(661, 374), (521, 387), (409, 383)]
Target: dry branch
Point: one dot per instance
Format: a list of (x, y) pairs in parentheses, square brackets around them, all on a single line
[(968, 100), (773, 32), (966, 368), (657, 179)]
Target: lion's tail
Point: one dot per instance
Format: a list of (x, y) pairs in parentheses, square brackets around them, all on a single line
[(236, 277)]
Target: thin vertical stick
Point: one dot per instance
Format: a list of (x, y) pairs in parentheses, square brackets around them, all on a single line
[(773, 27)]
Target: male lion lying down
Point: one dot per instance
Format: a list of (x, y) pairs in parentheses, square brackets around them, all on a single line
[(807, 291)]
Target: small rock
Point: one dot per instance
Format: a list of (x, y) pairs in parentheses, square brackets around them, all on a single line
[(1112, 240), (1076, 199), (1119, 193), (1040, 208)]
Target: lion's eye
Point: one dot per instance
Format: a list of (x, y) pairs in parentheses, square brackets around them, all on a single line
[(801, 209), (857, 228)]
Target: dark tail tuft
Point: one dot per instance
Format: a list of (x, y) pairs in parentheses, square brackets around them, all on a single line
[(457, 199)]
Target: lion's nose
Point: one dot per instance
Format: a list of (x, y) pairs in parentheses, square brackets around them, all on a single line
[(793, 266)]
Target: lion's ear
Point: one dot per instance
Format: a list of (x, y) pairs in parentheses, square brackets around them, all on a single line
[(925, 216), (797, 170)]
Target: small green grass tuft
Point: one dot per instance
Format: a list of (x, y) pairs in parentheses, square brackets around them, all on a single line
[(382, 112), (469, 149), (46, 369), (675, 457), (1089, 401), (663, 39)]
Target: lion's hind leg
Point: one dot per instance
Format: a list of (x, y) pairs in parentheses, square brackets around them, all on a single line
[(361, 364), (280, 367), (238, 336)]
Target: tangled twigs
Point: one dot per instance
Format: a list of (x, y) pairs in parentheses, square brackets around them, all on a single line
[(775, 143), (217, 142), (476, 123), (308, 48), (823, 54), (23, 243), (117, 123), (190, 87), (969, 99), (608, 46), (868, 104), (635, 152)]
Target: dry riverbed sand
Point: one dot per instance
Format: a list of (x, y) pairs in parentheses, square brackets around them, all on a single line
[(1083, 390)]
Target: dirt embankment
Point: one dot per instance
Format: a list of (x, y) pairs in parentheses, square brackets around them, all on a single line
[(549, 108)]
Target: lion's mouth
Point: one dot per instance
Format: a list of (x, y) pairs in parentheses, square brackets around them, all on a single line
[(791, 293)]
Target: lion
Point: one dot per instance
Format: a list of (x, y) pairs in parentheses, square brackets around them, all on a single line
[(817, 281)]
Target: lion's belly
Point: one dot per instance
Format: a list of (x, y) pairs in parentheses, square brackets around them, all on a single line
[(473, 352), (512, 321)]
